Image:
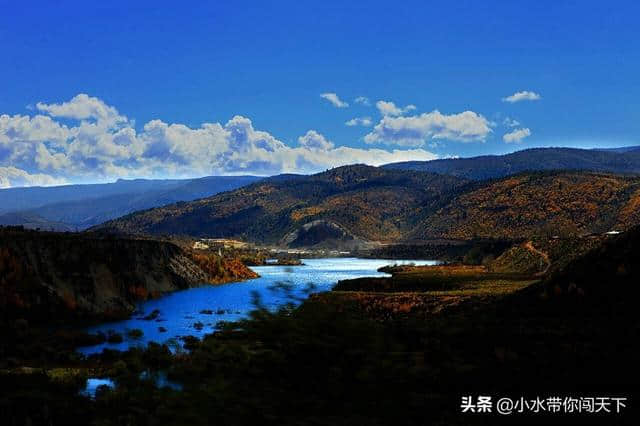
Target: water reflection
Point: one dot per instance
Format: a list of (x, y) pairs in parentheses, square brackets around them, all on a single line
[(197, 311)]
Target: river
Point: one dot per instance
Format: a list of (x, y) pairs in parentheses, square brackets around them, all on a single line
[(196, 311)]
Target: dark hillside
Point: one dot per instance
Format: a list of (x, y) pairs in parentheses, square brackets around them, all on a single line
[(609, 271), (537, 159), (48, 275)]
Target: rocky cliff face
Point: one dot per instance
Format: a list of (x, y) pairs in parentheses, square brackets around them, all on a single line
[(45, 275)]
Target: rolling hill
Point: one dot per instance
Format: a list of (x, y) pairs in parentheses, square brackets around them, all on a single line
[(28, 198), (538, 204), (609, 271), (618, 160), (77, 207), (346, 204), (352, 205)]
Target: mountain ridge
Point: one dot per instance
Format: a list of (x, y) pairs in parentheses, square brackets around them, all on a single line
[(395, 206), (77, 207), (371, 203), (532, 159)]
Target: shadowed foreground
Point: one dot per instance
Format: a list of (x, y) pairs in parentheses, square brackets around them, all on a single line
[(371, 356)]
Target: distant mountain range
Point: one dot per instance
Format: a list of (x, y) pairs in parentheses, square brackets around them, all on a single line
[(347, 206), (77, 207), (353, 206), (617, 160), (621, 149)]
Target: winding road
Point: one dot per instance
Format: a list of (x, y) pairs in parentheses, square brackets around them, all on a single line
[(529, 246)]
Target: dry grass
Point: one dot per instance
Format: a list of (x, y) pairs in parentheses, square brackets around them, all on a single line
[(421, 291)]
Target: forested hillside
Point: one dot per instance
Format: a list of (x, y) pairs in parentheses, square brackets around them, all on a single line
[(54, 276), (538, 204), (361, 203), (537, 159), (366, 202)]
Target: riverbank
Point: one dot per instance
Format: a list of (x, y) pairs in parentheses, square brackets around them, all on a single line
[(58, 276), (197, 311), (402, 353), (423, 291), (336, 363)]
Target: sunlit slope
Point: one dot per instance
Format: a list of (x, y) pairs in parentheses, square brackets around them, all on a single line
[(538, 204), (376, 204), (361, 201)]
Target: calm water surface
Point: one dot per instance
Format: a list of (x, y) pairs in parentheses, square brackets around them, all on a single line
[(181, 313)]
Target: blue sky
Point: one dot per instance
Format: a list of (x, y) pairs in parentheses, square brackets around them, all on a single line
[(170, 67)]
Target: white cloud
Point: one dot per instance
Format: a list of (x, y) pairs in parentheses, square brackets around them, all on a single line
[(516, 136), (510, 122), (83, 107), (525, 95), (362, 100), (32, 129), (314, 140), (334, 99), (359, 121), (374, 157), (389, 108), (96, 143), (466, 126), (13, 177)]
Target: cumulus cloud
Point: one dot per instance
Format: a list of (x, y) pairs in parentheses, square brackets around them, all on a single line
[(389, 108), (362, 100), (96, 143), (83, 107), (344, 155), (13, 177), (525, 95), (516, 136), (314, 140), (334, 99), (359, 121), (466, 126)]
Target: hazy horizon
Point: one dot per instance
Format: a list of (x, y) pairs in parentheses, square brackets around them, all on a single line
[(113, 180)]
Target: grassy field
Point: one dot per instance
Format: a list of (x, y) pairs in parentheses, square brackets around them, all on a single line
[(461, 278), (414, 292)]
